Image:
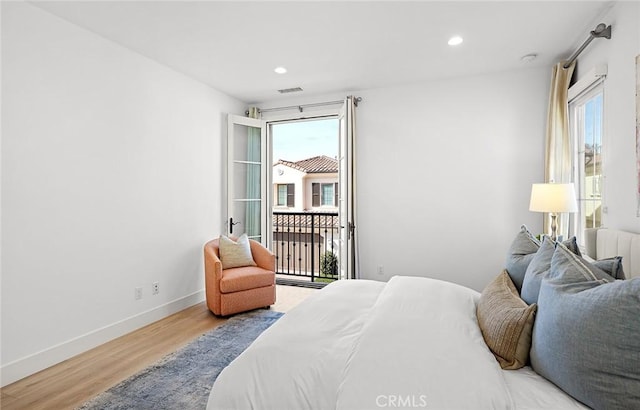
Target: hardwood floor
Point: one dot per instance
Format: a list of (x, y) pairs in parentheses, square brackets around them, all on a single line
[(71, 383)]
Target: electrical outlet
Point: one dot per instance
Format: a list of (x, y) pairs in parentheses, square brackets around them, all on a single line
[(380, 270), (138, 293), (155, 288)]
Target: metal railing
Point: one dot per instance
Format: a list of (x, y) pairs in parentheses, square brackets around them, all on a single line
[(306, 244)]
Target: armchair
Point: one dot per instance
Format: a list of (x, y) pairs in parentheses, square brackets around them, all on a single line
[(235, 290)]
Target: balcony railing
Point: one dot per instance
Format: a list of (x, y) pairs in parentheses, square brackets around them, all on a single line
[(306, 245)]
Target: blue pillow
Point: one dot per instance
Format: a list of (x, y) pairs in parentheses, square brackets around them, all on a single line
[(613, 266), (537, 269), (540, 265), (520, 254), (586, 337)]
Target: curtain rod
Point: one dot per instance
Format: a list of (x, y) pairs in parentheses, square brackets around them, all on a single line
[(601, 30), (301, 107)]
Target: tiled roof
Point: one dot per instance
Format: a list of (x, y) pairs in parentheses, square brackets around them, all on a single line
[(316, 165)]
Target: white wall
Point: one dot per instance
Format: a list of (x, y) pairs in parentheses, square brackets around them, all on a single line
[(619, 166), (110, 181), (445, 171)]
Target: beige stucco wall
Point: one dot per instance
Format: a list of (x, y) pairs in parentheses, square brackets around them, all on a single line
[(283, 174)]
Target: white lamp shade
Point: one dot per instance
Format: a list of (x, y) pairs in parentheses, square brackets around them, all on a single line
[(555, 198)]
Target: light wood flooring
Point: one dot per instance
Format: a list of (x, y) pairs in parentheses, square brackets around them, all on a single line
[(74, 381)]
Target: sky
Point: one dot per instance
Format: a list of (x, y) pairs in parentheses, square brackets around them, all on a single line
[(295, 141)]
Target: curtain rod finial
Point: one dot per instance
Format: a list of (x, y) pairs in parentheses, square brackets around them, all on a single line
[(602, 30)]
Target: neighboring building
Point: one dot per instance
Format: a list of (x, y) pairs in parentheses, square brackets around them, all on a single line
[(307, 185), (305, 214)]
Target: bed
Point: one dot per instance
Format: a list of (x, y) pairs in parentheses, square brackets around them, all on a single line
[(412, 342)]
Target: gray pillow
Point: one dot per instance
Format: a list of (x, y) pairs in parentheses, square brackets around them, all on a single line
[(537, 269), (586, 337), (540, 266), (613, 266), (521, 252), (572, 245)]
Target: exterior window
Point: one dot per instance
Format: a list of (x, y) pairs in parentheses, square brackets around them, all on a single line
[(327, 195), (286, 195), (324, 194), (587, 129)]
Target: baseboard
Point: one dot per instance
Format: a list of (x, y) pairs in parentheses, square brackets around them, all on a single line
[(16, 370)]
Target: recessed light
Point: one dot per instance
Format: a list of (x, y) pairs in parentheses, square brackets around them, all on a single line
[(455, 40), (280, 70), (528, 58)]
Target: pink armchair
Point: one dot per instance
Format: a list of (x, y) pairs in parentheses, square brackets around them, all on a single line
[(240, 289)]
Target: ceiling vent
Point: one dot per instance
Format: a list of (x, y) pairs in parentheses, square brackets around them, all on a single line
[(290, 90)]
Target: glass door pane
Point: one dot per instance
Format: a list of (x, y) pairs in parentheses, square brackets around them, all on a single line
[(245, 177)]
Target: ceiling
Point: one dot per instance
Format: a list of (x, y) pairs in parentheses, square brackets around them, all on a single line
[(336, 46)]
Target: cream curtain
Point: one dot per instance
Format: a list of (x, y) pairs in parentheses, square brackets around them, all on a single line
[(350, 264), (351, 102), (558, 137)]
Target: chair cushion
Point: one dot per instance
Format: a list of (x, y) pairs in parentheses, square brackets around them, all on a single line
[(244, 278)]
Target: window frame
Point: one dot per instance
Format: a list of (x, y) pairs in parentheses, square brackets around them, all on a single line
[(577, 106), (323, 194), (318, 196), (289, 196)]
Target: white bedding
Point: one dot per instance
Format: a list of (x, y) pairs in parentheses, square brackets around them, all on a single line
[(411, 342), (530, 391)]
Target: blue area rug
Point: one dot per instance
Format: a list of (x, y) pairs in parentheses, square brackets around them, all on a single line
[(183, 379)]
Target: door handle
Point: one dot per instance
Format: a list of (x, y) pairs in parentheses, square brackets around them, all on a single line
[(231, 225), (350, 229)]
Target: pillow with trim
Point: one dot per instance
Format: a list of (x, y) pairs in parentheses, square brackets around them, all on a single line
[(521, 252), (586, 339), (612, 266), (506, 322), (235, 254), (540, 265)]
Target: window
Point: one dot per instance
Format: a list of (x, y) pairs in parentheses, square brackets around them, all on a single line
[(586, 112), (327, 195), (324, 194), (286, 195)]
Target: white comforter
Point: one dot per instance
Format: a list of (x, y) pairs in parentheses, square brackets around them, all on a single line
[(409, 343)]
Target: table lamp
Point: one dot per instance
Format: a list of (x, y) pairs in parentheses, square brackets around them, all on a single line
[(554, 199)]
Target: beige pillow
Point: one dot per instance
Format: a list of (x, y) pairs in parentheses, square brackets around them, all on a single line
[(506, 322), (234, 254)]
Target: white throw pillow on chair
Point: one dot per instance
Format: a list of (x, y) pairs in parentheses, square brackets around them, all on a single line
[(235, 254)]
